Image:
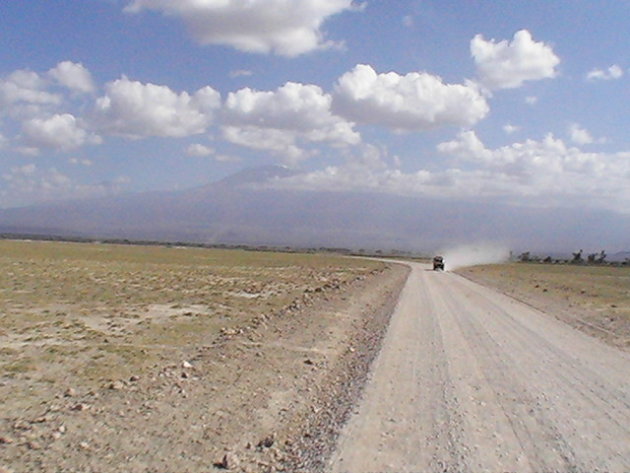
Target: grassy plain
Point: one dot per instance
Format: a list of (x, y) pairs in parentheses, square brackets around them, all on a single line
[(595, 299), (92, 312), (130, 358)]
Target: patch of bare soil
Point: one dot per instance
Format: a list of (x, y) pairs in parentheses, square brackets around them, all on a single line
[(595, 300), (267, 396)]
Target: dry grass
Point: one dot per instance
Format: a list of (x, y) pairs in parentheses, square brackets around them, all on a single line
[(92, 312)]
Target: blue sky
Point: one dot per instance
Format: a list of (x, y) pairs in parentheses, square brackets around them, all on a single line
[(516, 101)]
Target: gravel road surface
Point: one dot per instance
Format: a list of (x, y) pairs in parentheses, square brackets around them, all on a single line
[(470, 380)]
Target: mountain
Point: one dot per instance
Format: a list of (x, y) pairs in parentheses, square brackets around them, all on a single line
[(619, 256), (248, 176), (240, 210)]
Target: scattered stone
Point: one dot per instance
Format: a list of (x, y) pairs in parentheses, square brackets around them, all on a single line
[(308, 361), (33, 445), (5, 440), (84, 446), (185, 375), (62, 429), (56, 435), (186, 365), (268, 441), (70, 392), (229, 461), (134, 378), (21, 425), (117, 385), (80, 407)]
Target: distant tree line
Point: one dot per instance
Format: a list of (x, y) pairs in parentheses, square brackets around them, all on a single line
[(577, 258)]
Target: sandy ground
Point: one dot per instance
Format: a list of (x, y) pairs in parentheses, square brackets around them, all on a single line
[(470, 380), (268, 395)]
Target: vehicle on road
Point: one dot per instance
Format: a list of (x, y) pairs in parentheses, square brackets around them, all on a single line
[(438, 263)]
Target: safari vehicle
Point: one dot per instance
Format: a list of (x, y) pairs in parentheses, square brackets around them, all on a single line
[(438, 263)]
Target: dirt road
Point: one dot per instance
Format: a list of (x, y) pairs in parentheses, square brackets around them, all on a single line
[(469, 380)]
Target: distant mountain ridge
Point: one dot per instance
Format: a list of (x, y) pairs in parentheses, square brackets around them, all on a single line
[(240, 209)]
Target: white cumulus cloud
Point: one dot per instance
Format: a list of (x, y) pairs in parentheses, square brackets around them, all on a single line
[(59, 132), (278, 120), (287, 28), (296, 107), (23, 86), (135, 110), (506, 65), (613, 72), (74, 76), (509, 128), (580, 135), (415, 101)]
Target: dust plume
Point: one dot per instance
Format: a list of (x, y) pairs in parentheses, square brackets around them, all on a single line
[(470, 255)]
